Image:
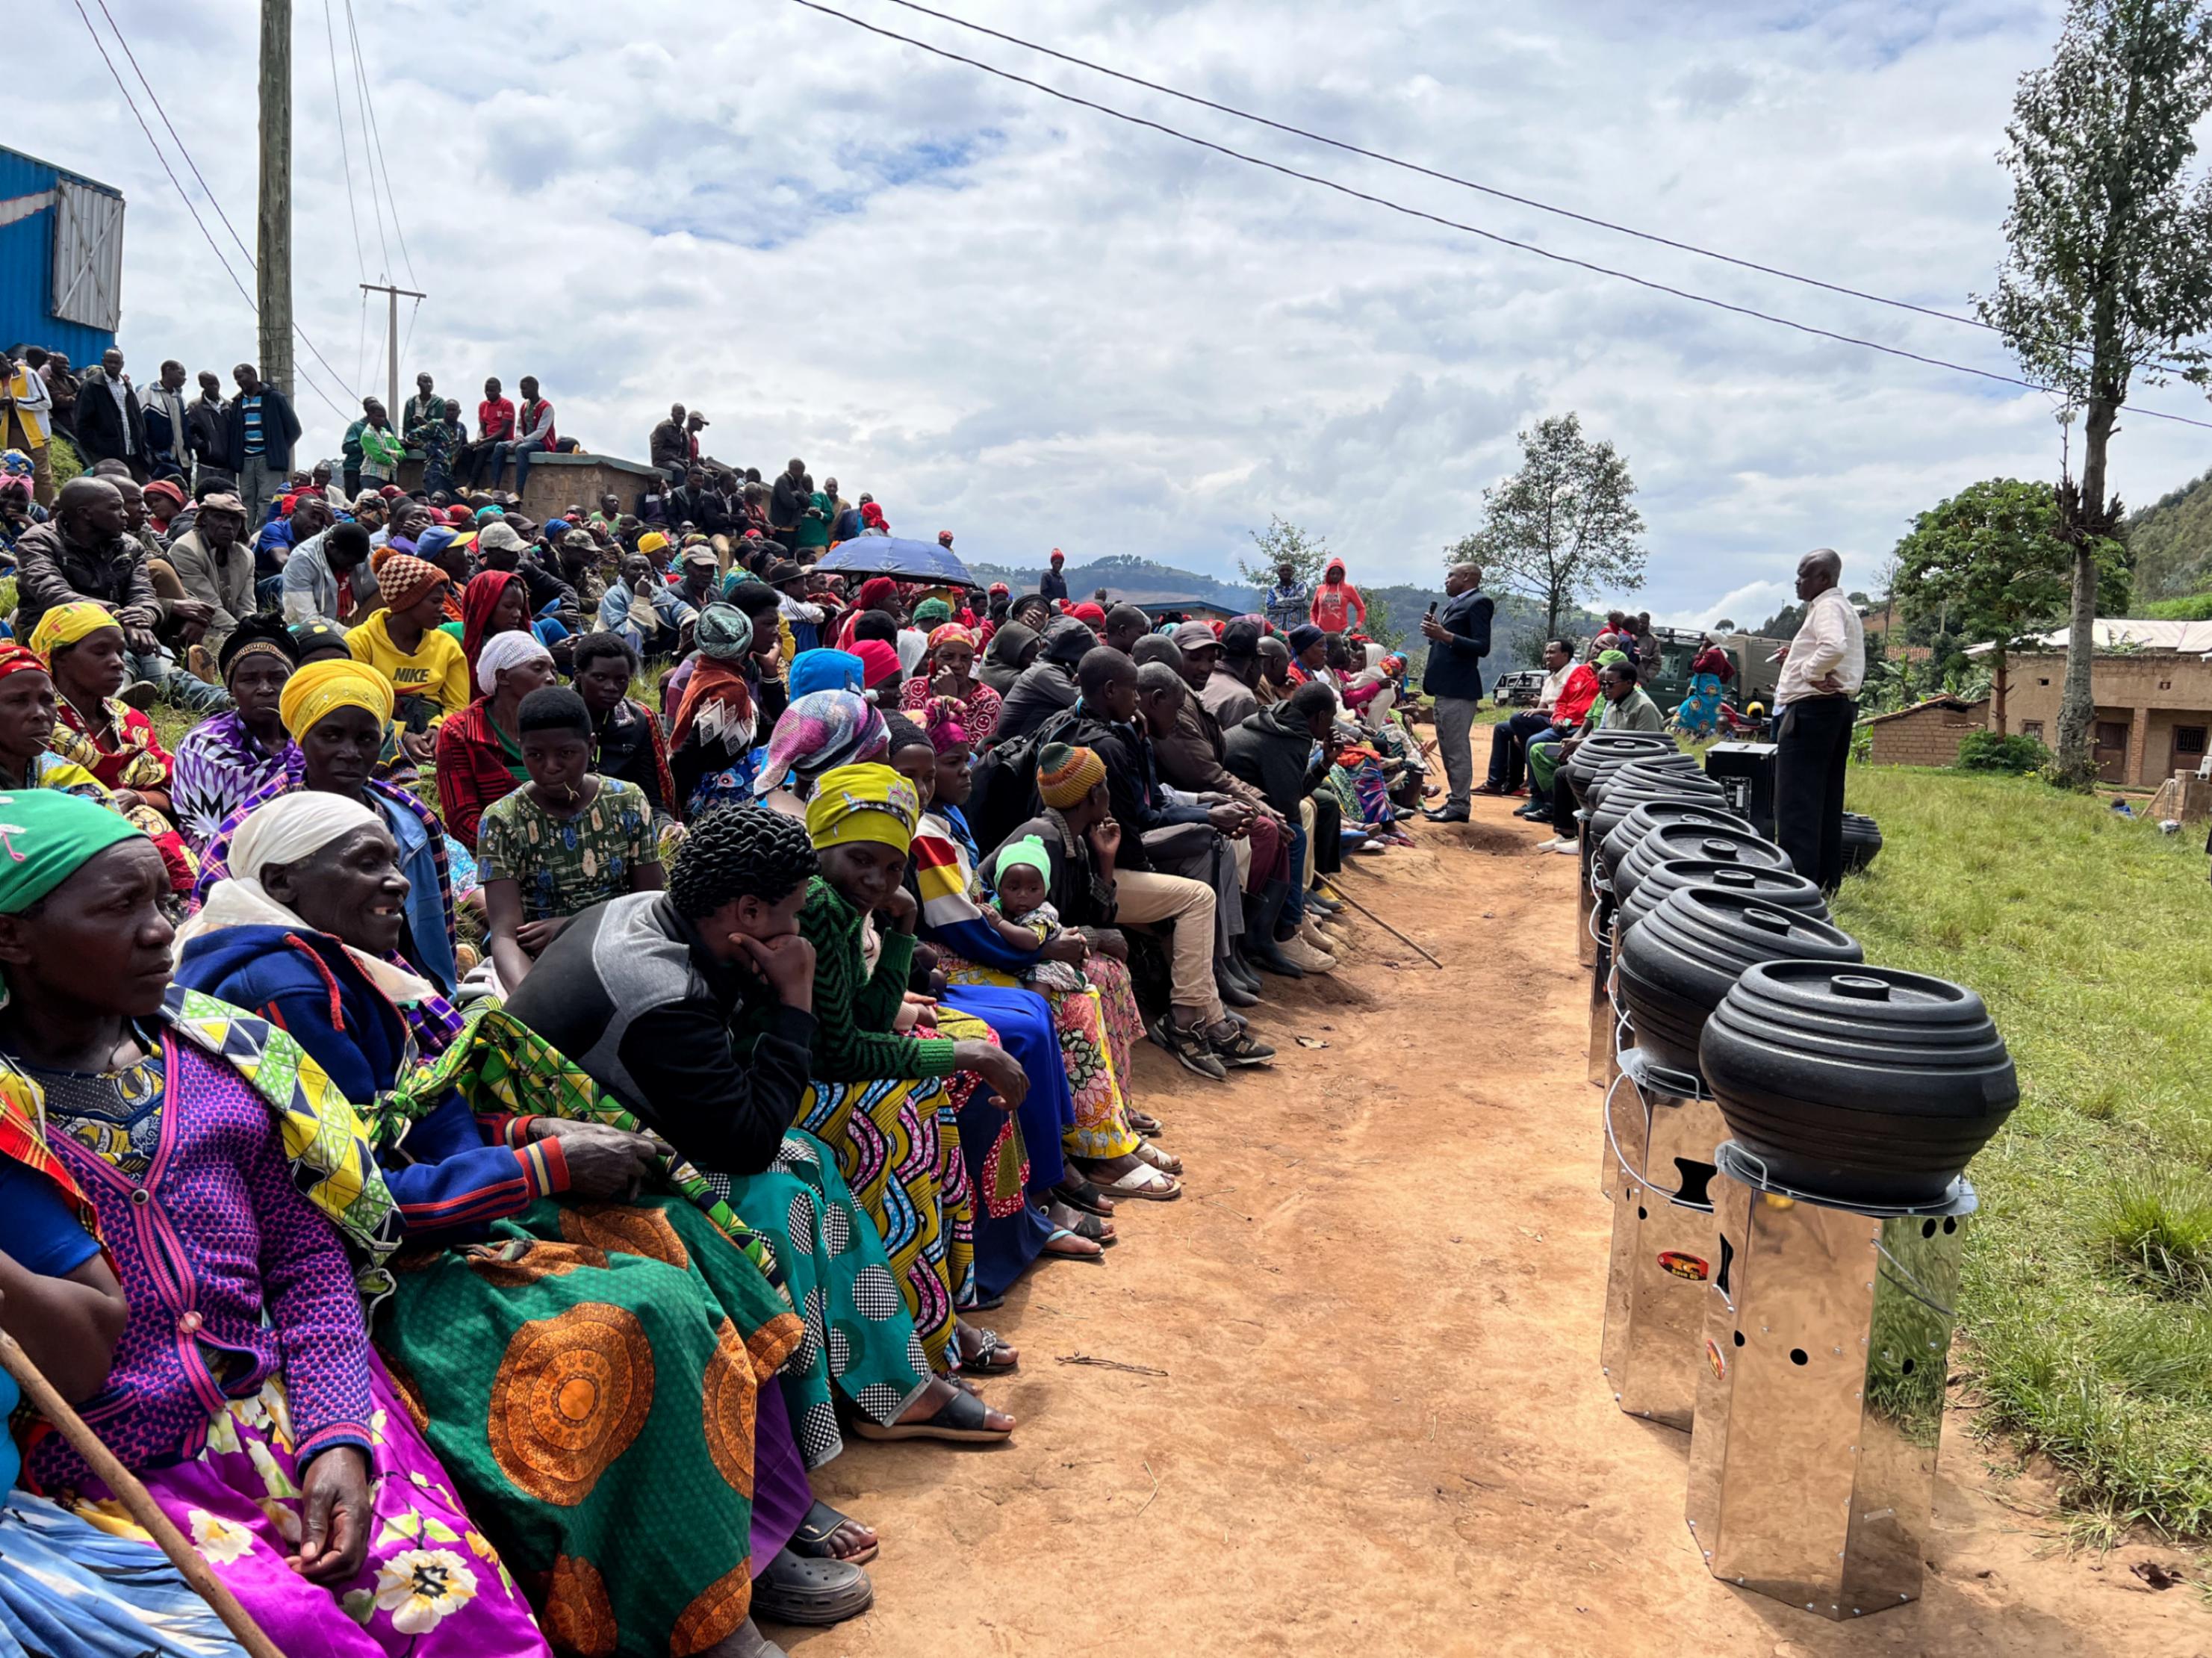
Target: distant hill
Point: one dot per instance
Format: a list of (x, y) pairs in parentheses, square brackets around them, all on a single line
[(1393, 613), (2171, 541)]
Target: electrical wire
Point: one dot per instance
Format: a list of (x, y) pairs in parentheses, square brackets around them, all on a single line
[(1496, 237), (376, 146), (367, 154), (345, 148), (214, 201), (1592, 220), (184, 196)]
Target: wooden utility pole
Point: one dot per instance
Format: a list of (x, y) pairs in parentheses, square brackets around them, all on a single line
[(273, 259), (392, 344)]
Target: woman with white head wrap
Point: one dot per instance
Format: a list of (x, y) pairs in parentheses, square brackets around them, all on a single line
[(480, 749)]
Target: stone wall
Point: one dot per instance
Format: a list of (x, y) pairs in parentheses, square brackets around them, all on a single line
[(559, 481)]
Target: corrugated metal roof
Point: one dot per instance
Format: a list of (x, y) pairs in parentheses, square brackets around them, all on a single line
[(2138, 633)]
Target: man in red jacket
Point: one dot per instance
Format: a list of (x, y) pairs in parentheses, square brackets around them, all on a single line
[(1337, 605)]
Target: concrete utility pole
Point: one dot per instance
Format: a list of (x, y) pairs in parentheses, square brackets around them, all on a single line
[(273, 259), (392, 345)]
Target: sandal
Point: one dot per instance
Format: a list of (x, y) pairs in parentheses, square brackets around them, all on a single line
[(961, 1420), (1147, 1182), (795, 1589), (1143, 1122), (1077, 1193), (822, 1523), (1166, 1161), (989, 1347), (1088, 1257)]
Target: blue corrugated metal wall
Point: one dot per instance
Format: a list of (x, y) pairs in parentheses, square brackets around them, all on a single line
[(27, 266)]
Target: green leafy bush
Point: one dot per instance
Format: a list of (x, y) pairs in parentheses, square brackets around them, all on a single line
[(1987, 751)]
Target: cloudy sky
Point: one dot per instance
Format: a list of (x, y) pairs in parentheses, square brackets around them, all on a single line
[(1037, 327)]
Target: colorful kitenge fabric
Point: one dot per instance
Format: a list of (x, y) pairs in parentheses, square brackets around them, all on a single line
[(219, 762), (432, 1587), (895, 1140), (130, 755), (590, 1375), (1699, 714), (74, 1590), (979, 708), (859, 1338), (566, 864)]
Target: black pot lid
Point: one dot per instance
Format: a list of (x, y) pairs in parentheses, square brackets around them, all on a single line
[(1648, 815), (1719, 846), (1873, 1039), (1701, 940), (1782, 888), (1611, 798), (1601, 749)]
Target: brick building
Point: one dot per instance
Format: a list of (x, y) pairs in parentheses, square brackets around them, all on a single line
[(1928, 733), (2153, 709)]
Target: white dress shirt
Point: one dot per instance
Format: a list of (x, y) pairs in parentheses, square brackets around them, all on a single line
[(1833, 640), (1554, 682)]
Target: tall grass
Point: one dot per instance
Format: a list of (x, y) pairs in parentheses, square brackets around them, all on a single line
[(2085, 1307)]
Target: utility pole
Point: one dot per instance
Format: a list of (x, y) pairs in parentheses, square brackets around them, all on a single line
[(391, 343), (273, 261)]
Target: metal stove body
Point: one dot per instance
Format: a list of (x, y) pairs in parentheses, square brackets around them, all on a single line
[(1662, 1128), (1820, 1399)]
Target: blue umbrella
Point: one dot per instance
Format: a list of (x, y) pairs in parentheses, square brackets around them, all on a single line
[(909, 560)]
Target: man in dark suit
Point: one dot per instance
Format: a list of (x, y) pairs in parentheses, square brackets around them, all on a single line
[(1459, 638), (110, 424)]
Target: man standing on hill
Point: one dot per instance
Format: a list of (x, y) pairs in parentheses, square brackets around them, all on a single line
[(1817, 702), (1337, 605), (1458, 638), (1053, 584), (262, 430), (1289, 601), (787, 502)]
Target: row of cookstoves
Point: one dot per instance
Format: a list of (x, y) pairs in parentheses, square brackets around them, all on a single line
[(1800, 1337)]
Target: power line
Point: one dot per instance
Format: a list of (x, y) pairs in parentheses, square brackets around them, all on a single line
[(345, 148), (214, 201), (1455, 224), (367, 155), (1350, 148), (182, 194), (376, 145)]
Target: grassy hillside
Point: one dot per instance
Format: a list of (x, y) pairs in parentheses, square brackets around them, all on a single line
[(2172, 542), (2087, 1308)]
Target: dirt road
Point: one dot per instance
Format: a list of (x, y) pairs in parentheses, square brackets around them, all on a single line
[(1382, 1428)]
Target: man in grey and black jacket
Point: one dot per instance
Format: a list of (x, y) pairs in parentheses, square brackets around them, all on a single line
[(1459, 638)]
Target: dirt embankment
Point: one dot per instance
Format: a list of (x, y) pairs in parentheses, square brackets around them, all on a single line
[(1381, 1427)]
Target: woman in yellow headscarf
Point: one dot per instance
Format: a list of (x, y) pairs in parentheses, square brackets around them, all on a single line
[(336, 712), (880, 1099), (82, 645)]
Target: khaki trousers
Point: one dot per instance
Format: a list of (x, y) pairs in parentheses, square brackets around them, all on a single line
[(1190, 905)]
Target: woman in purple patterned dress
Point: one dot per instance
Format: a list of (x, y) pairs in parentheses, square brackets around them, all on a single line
[(222, 760), (247, 1220)]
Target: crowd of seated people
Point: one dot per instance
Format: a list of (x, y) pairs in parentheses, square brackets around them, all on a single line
[(668, 994)]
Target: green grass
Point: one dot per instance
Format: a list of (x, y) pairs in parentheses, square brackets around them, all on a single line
[(2087, 1306)]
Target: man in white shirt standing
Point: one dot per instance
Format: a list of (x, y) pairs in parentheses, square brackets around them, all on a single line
[(1816, 702)]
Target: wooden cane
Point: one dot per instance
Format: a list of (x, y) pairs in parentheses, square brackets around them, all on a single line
[(133, 1497), (1337, 892)]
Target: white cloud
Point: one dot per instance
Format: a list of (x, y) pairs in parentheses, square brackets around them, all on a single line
[(1039, 326)]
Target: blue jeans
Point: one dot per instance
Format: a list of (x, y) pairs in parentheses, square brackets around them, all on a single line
[(178, 686), (1294, 907), (521, 451)]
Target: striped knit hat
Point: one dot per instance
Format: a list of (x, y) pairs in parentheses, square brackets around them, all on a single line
[(1065, 775)]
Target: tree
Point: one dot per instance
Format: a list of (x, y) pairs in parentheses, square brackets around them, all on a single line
[(1562, 529), (1284, 542), (1993, 562), (2108, 265)]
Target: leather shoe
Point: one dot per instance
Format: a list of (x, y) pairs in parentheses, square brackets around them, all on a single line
[(1231, 990), (1448, 815)]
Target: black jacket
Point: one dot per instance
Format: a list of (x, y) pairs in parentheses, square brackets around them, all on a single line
[(1455, 667), (280, 430), (1275, 753), (100, 425), (631, 993), (1053, 585), (1043, 690), (788, 502), (708, 509), (1132, 781), (208, 431)]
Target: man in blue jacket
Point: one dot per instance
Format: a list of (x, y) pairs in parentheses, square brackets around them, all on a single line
[(1459, 638), (262, 430)]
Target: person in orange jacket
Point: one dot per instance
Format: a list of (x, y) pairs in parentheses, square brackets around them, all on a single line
[(1337, 604)]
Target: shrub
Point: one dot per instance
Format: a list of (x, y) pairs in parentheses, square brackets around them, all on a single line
[(1987, 751)]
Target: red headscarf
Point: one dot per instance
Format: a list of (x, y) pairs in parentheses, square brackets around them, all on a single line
[(20, 659), (1090, 614), (878, 662), (873, 516), (875, 592), (478, 601)]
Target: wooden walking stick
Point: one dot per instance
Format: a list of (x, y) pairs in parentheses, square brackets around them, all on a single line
[(133, 1497), (1336, 891)]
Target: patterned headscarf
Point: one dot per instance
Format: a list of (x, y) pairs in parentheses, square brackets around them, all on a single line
[(946, 719), (817, 733), (725, 633), (950, 634), (931, 611), (65, 624), (857, 803), (16, 658)]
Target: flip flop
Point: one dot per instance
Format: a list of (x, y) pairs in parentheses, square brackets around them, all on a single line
[(960, 1420), (811, 1540), (1088, 1258)]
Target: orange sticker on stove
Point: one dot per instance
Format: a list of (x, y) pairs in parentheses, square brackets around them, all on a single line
[(1713, 1358), (1684, 1266)]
